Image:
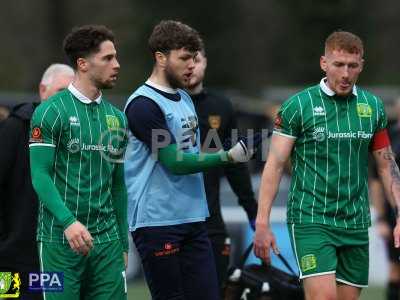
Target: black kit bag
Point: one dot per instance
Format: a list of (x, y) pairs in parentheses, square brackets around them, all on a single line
[(262, 282)]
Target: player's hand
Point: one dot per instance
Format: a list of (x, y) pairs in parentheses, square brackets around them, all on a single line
[(79, 238), (264, 240), (396, 234), (245, 148), (126, 259)]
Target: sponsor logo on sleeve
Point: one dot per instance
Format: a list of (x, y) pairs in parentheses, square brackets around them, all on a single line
[(36, 135)]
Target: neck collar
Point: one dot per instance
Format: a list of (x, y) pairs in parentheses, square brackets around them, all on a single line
[(161, 87), (327, 90), (81, 97)]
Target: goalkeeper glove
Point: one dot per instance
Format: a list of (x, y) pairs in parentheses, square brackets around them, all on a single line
[(245, 148)]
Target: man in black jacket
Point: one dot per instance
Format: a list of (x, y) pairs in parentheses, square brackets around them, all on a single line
[(217, 121), (18, 201)]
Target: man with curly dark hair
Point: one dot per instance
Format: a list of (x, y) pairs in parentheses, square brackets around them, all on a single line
[(76, 152)]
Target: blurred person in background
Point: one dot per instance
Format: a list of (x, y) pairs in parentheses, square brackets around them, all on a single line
[(329, 130), (18, 201), (4, 112), (385, 215), (217, 118)]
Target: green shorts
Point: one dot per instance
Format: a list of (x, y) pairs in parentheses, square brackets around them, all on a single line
[(98, 276), (321, 249)]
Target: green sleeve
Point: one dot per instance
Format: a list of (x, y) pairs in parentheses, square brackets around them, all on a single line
[(181, 163), (42, 162), (120, 202), (288, 121)]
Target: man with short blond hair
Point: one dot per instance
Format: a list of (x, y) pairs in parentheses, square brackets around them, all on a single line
[(328, 131)]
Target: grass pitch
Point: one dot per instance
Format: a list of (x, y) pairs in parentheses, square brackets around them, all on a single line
[(137, 290)]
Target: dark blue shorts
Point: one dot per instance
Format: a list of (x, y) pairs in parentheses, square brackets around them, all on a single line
[(178, 261)]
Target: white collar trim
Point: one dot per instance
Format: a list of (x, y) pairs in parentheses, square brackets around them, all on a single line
[(81, 97), (165, 89), (327, 90)]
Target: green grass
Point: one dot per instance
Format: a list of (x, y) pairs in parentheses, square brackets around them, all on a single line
[(137, 290), (373, 293)]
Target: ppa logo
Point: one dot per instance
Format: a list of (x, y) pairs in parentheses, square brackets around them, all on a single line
[(46, 281)]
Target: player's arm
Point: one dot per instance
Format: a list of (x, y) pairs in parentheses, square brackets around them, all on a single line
[(376, 191), (179, 162), (119, 193), (387, 168), (120, 203), (42, 162), (147, 122), (280, 149), (287, 127), (45, 126), (390, 176)]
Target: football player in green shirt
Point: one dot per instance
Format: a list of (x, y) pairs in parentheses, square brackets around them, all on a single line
[(327, 130), (77, 145)]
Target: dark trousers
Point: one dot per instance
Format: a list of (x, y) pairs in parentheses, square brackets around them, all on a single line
[(221, 246), (178, 262)]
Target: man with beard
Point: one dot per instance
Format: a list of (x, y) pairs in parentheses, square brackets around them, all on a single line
[(217, 123), (166, 200), (76, 151), (19, 205)]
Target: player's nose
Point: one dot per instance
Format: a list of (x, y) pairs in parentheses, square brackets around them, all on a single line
[(116, 65), (345, 72)]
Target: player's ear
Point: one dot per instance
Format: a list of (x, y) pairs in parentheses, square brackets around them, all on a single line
[(323, 63), (362, 64), (82, 64), (42, 91), (161, 58)]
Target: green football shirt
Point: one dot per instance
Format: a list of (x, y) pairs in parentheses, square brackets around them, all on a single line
[(89, 138), (330, 155)]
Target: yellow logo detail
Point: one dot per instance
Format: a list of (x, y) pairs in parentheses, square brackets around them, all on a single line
[(308, 262), (112, 122), (364, 110), (6, 291), (214, 121)]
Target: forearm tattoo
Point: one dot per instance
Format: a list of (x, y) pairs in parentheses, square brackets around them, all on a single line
[(395, 178)]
